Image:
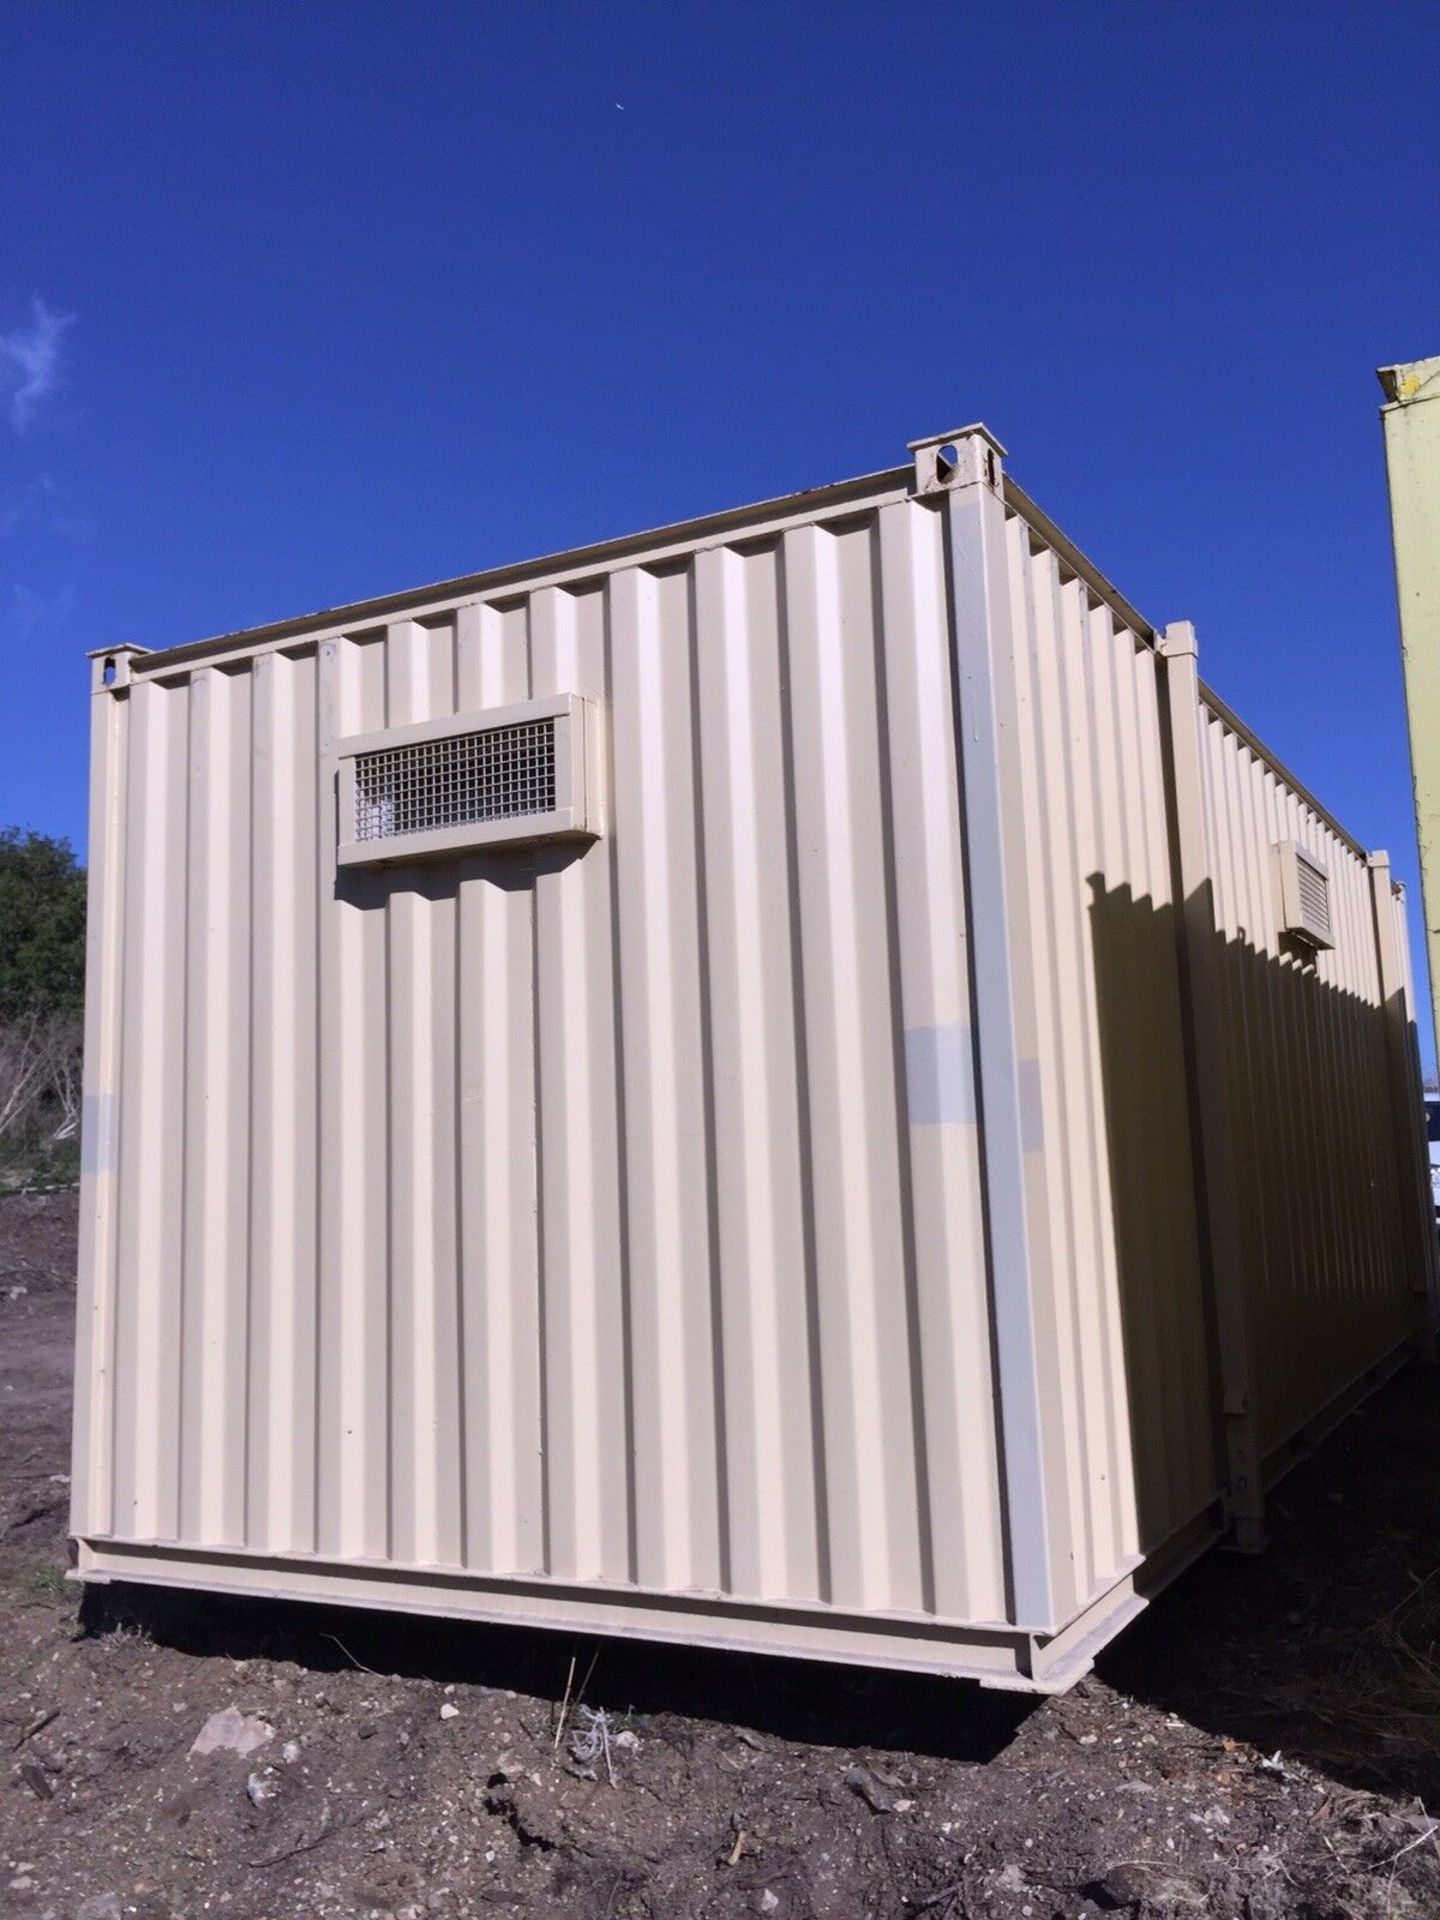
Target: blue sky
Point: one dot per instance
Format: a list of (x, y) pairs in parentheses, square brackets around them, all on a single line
[(302, 303)]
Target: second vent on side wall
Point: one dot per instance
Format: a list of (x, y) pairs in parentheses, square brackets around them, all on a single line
[(1304, 896), (504, 776)]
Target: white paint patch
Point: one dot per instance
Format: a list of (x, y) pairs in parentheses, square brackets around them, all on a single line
[(940, 1075), (97, 1133)]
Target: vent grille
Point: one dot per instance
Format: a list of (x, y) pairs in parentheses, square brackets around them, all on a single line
[(1314, 891), (1304, 896), (500, 773)]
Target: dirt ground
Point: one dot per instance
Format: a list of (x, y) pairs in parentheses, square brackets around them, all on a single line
[(1264, 1742)]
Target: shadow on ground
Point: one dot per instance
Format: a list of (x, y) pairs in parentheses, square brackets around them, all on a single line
[(1326, 1647), (818, 1703)]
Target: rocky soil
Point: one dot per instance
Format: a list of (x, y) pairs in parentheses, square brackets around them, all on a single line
[(1265, 1742)]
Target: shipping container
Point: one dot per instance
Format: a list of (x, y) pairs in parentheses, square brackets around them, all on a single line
[(796, 1083)]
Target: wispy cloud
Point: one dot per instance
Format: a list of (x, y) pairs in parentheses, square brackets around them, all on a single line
[(27, 505), (32, 613), (30, 361), (42, 507)]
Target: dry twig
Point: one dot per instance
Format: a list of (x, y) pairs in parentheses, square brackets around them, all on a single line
[(37, 1725), (353, 1661), (305, 1846)]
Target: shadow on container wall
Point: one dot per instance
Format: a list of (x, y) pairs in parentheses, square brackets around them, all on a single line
[(1318, 1181), (1323, 1645), (515, 870)]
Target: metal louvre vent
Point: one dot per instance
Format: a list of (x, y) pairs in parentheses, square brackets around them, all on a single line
[(1314, 891), (502, 773), (1304, 896)]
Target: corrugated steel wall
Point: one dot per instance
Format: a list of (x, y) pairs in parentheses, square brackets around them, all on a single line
[(1414, 1147), (617, 1215), (1114, 1197), (1309, 1095), (562, 1211)]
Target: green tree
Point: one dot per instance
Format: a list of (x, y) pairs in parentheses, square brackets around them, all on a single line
[(42, 925)]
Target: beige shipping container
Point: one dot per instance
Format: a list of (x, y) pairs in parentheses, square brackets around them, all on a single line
[(795, 1082)]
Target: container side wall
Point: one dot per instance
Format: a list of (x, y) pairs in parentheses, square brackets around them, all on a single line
[(284, 1166), (1119, 1286), (1411, 425), (596, 1214), (502, 1437), (587, 1378), (151, 1211), (932, 965), (92, 1476), (1309, 1097), (353, 1468), (764, 1256), (1416, 1147), (862, 1261), (214, 1268)]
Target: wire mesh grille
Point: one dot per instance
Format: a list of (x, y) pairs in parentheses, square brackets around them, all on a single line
[(503, 773)]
